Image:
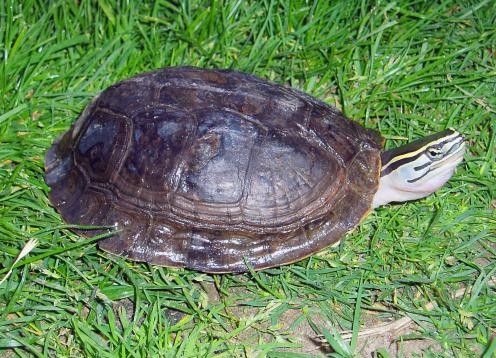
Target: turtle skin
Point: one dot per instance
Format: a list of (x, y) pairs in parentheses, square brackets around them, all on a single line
[(213, 170)]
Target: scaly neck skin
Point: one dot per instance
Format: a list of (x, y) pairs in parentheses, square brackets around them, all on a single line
[(420, 168)]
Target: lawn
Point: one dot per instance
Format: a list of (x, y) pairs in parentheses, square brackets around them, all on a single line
[(422, 274)]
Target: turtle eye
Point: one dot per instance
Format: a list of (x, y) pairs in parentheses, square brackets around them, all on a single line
[(434, 153)]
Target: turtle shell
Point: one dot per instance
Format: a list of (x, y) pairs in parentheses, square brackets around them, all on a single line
[(213, 170)]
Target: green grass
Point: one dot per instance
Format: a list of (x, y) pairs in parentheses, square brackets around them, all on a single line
[(407, 68)]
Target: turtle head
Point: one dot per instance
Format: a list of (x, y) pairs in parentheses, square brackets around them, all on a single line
[(419, 168)]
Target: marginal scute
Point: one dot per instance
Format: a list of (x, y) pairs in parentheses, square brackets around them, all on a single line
[(133, 227), (213, 170), (67, 182), (89, 209)]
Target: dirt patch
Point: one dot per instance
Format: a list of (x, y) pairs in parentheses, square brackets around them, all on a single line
[(293, 326)]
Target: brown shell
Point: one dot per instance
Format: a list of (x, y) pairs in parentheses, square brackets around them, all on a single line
[(212, 170)]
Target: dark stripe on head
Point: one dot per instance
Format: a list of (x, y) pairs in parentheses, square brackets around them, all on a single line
[(420, 177), (420, 167)]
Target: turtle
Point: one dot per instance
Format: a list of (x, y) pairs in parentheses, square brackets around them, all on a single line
[(220, 171)]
